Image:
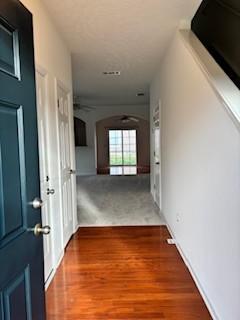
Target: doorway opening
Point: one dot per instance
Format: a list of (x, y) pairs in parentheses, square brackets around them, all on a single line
[(122, 151)]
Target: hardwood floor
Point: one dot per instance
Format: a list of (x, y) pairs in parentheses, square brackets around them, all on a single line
[(123, 273)]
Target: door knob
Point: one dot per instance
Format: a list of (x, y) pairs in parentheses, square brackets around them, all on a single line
[(50, 191), (71, 171), (38, 229), (37, 203)]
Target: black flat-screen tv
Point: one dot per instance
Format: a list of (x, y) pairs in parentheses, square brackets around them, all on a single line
[(217, 25)]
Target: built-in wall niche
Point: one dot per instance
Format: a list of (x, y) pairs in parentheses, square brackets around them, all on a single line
[(80, 132)]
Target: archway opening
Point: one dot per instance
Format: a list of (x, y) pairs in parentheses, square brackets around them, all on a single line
[(122, 145)]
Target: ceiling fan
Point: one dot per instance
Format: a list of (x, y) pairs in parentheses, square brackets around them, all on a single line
[(77, 105), (126, 119)]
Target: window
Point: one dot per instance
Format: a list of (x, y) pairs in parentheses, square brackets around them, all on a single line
[(122, 152), (80, 133)]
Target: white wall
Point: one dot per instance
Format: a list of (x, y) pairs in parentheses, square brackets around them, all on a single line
[(86, 156), (51, 54), (200, 177)]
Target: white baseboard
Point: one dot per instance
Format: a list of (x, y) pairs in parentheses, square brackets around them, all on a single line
[(54, 270), (120, 225), (76, 229), (57, 263), (194, 276), (59, 260), (49, 280)]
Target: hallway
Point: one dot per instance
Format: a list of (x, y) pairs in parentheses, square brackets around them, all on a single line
[(128, 273), (105, 200)]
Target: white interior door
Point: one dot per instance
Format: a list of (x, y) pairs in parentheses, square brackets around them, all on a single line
[(44, 169), (65, 163), (157, 156)]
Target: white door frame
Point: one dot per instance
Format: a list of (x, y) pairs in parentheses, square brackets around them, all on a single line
[(43, 72), (59, 83), (160, 153), (158, 106)]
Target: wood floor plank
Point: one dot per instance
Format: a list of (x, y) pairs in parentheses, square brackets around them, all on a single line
[(123, 273)]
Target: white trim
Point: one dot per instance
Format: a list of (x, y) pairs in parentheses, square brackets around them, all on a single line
[(50, 278), (56, 84), (194, 276), (73, 161), (45, 74), (54, 270), (59, 260), (59, 83), (76, 228), (160, 154), (226, 90), (118, 225), (158, 106), (59, 159)]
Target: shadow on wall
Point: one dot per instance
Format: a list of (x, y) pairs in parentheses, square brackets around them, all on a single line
[(143, 141)]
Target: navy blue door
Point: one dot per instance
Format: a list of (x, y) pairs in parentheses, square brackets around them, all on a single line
[(21, 252)]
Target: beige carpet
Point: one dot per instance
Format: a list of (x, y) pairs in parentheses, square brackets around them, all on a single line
[(116, 201)]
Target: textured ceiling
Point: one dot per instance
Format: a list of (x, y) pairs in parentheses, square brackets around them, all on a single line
[(126, 35)]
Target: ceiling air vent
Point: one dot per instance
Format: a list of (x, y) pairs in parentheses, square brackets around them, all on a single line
[(112, 73)]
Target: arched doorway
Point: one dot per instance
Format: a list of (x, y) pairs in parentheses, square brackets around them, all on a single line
[(122, 145)]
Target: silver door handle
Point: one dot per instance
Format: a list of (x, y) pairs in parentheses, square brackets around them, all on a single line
[(38, 229), (37, 203), (50, 191)]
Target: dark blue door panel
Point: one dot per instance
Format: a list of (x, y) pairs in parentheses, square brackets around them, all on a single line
[(21, 252), (11, 144), (1, 307), (17, 297)]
